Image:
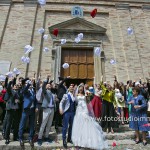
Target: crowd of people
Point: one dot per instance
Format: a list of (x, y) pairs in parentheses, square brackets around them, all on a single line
[(36, 105)]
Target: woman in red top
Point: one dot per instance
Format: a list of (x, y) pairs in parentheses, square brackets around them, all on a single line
[(2, 102)]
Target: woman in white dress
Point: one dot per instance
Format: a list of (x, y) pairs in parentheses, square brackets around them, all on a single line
[(86, 132)]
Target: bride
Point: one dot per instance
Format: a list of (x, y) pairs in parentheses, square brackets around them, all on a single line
[(86, 132)]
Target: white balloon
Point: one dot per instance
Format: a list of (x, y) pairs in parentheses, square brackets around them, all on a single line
[(80, 36), (16, 71), (2, 78), (97, 51), (41, 30), (130, 31), (42, 2), (25, 59), (9, 74), (65, 65), (45, 36), (28, 49), (45, 49), (112, 61), (77, 40), (63, 41)]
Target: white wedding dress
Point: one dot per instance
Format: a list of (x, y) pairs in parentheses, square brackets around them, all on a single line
[(86, 132)]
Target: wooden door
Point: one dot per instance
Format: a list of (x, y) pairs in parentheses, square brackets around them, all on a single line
[(81, 64)]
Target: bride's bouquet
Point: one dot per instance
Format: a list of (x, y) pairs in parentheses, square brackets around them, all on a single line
[(88, 97)]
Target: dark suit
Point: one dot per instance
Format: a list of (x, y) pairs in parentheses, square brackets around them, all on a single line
[(39, 113), (12, 117), (68, 116), (61, 89), (60, 92), (28, 100)]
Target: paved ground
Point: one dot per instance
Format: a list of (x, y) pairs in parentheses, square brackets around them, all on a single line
[(123, 138), (120, 145)]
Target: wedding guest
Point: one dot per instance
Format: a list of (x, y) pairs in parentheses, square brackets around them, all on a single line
[(129, 92), (108, 111), (48, 111), (2, 102), (60, 92), (39, 97), (97, 101), (138, 115), (29, 108), (12, 108), (119, 99)]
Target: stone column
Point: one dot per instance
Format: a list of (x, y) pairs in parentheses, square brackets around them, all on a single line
[(97, 67), (57, 63)]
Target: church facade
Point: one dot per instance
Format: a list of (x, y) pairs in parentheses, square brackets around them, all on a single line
[(21, 19)]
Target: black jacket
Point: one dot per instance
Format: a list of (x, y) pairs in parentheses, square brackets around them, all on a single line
[(61, 89)]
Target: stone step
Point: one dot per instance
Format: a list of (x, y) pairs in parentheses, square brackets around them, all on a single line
[(121, 128), (120, 145), (109, 136)]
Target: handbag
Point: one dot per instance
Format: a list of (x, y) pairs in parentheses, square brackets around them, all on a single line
[(121, 99), (140, 102)]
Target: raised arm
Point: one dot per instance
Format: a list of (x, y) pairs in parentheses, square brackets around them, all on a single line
[(25, 89), (14, 81), (60, 84), (9, 87), (6, 82), (44, 84), (94, 82)]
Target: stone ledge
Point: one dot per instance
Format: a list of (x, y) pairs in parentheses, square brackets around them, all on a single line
[(121, 6), (147, 7)]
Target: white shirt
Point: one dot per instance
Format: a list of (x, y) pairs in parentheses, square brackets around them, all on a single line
[(51, 104), (72, 97), (32, 92)]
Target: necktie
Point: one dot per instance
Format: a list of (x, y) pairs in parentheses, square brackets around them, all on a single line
[(52, 100)]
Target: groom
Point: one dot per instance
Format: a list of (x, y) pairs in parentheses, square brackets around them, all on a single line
[(67, 108)]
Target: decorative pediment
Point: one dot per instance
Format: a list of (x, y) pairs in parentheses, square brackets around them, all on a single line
[(70, 28)]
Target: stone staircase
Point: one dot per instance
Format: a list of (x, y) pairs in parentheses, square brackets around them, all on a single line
[(123, 137)]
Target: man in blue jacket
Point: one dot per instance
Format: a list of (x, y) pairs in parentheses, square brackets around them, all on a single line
[(29, 105)]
